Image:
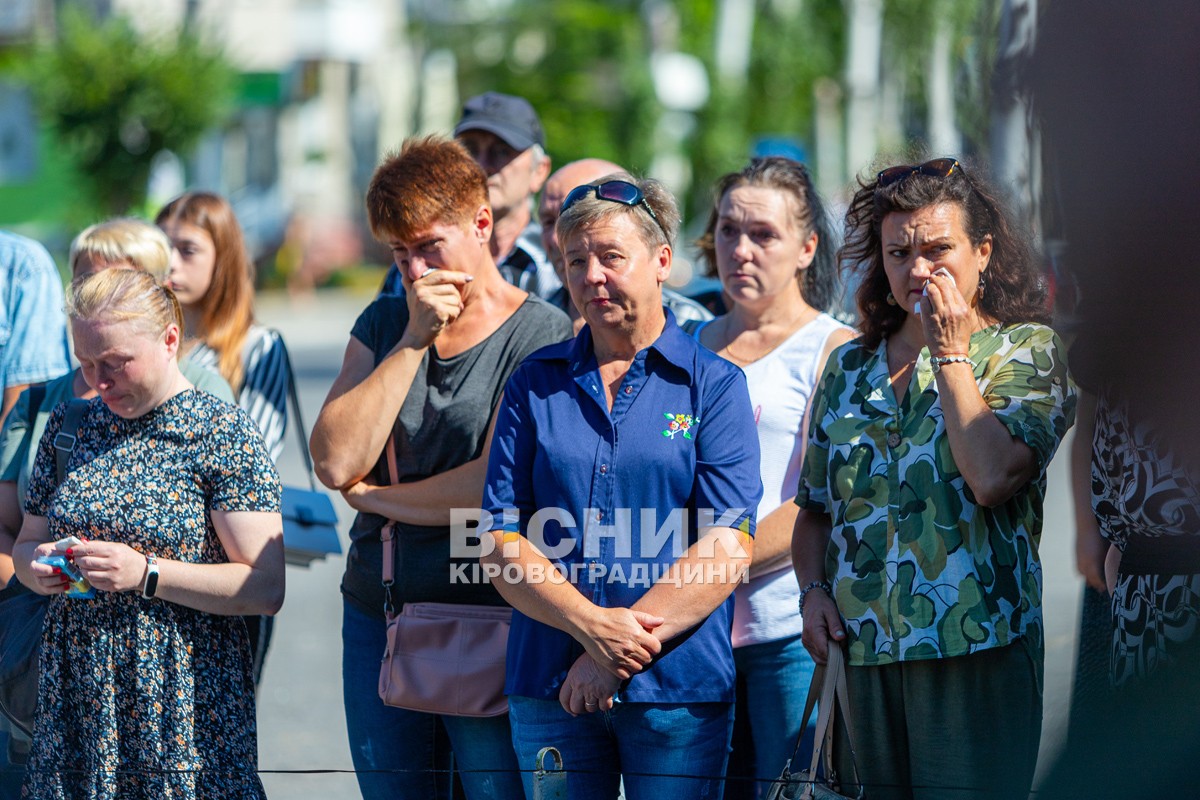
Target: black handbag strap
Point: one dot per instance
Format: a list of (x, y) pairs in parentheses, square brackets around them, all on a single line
[(387, 535), (64, 445), (294, 402)]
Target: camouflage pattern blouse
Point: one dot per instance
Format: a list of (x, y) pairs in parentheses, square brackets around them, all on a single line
[(919, 569)]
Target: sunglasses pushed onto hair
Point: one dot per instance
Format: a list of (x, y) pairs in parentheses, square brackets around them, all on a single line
[(615, 191), (937, 168)]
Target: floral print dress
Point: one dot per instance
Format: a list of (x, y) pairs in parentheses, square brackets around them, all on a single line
[(145, 698)]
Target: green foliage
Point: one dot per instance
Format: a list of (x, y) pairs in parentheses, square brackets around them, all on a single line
[(909, 28), (794, 44), (980, 44), (116, 98), (581, 64), (584, 66)]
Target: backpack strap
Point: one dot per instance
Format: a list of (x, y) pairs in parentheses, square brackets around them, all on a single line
[(64, 442)]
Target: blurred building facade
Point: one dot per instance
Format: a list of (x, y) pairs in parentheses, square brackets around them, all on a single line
[(326, 86)]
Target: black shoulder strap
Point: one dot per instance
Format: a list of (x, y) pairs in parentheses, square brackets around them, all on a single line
[(690, 326), (64, 442)]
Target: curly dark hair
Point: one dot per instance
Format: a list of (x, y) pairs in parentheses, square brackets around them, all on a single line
[(1015, 291), (819, 281)]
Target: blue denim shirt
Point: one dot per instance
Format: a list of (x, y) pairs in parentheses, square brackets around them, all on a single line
[(631, 487), (33, 325)]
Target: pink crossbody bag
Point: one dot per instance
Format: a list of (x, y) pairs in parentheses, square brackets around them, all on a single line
[(441, 658)]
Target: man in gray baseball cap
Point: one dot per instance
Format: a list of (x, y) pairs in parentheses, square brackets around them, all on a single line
[(503, 134)]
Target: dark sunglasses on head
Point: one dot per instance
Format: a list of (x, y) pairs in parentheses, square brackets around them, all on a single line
[(937, 168), (623, 192)]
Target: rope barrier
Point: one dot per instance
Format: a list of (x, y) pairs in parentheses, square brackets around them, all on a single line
[(728, 779)]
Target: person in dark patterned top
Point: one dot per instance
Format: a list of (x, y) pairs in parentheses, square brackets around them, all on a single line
[(922, 489), (1146, 500), (146, 687)]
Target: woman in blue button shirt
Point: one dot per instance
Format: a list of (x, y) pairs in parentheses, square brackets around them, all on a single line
[(623, 481)]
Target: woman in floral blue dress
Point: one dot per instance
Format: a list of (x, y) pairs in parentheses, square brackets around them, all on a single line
[(146, 689)]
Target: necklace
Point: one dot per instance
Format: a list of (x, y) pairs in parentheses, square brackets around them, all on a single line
[(793, 325)]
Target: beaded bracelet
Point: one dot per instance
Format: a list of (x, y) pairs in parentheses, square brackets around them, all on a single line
[(937, 362), (824, 586)]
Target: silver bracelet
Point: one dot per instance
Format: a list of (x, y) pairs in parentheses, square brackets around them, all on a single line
[(824, 586)]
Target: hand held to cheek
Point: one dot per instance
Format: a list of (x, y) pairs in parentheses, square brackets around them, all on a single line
[(925, 289)]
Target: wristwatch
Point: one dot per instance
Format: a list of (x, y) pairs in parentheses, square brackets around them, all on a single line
[(150, 586)]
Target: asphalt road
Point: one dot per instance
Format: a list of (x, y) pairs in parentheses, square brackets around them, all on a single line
[(302, 729)]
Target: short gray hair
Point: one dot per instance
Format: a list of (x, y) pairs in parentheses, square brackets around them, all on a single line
[(591, 210)]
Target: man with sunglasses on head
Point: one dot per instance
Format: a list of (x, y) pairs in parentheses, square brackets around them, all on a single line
[(574, 174), (503, 134)]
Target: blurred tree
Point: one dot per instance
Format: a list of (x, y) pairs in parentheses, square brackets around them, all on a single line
[(581, 64), (584, 65), (115, 98), (927, 42), (793, 44)]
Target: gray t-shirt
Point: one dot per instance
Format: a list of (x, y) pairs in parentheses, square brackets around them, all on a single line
[(441, 426)]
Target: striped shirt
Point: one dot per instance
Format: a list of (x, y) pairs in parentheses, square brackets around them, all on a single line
[(264, 390)]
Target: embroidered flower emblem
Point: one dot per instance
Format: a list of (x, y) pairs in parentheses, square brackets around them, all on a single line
[(680, 423)]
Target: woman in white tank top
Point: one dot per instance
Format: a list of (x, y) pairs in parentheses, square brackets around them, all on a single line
[(768, 241)]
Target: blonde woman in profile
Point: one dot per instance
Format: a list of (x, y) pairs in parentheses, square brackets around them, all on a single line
[(146, 688)]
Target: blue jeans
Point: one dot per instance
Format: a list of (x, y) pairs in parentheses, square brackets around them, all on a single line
[(394, 750), (661, 750), (773, 680)]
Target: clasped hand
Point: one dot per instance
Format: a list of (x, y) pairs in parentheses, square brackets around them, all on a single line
[(588, 688), (108, 566), (621, 640)]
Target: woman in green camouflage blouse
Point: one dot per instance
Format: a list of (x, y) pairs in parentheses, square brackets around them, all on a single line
[(922, 489)]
